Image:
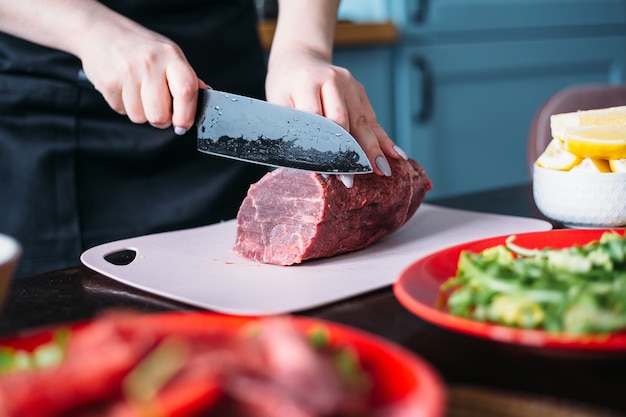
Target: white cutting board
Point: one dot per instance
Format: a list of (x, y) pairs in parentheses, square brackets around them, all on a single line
[(196, 266)]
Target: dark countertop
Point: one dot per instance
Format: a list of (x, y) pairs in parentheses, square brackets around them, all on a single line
[(570, 379)]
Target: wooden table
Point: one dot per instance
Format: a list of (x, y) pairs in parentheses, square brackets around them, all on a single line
[(483, 378)]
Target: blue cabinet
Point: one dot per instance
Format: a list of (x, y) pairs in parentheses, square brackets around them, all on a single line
[(468, 76), (442, 20)]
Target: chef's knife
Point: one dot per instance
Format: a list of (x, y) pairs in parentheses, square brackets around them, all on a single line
[(256, 131)]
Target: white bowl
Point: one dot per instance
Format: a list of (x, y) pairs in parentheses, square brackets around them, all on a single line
[(581, 199), (10, 252)]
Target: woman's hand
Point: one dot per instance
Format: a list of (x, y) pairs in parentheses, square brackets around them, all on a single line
[(309, 83), (141, 74), (301, 75)]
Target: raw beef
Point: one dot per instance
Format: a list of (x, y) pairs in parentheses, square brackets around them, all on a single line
[(290, 216)]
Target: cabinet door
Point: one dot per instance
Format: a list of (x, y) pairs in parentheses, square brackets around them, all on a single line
[(473, 17), (464, 110)]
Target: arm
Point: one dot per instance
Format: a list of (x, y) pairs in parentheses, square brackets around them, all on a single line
[(139, 72), (301, 75)]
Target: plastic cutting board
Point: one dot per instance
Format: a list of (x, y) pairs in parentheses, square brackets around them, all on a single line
[(196, 266)]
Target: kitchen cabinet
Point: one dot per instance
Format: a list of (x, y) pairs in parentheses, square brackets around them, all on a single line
[(468, 76)]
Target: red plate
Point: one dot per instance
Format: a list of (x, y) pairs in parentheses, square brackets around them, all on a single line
[(398, 375), (418, 289)]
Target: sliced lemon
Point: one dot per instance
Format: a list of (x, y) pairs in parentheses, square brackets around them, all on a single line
[(556, 157), (610, 116), (598, 142), (592, 165), (618, 165), (558, 122)]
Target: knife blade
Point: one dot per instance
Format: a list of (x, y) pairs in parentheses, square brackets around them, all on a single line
[(256, 131)]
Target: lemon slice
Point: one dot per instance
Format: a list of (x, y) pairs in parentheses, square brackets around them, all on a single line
[(558, 122), (618, 165), (610, 116), (592, 165), (599, 142), (556, 157)]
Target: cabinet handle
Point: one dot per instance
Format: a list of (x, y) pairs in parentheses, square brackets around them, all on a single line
[(426, 110), (420, 7)]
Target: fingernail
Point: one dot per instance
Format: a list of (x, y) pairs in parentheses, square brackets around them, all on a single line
[(180, 130), (325, 176), (383, 165), (347, 179), (400, 152)]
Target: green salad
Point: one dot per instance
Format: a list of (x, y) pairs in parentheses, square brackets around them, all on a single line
[(578, 289)]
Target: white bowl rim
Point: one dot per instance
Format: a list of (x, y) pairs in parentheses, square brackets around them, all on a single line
[(10, 249), (586, 173)]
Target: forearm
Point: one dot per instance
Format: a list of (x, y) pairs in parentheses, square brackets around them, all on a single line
[(139, 72), (306, 25), (66, 25)]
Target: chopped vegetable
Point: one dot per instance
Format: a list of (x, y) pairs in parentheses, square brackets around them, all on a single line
[(43, 356), (112, 366), (578, 289)]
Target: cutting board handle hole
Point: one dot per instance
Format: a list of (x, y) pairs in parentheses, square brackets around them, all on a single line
[(121, 257)]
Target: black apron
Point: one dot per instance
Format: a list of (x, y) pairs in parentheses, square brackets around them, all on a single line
[(74, 174)]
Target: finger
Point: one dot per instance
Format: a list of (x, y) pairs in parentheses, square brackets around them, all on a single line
[(203, 86), (354, 114), (280, 99), (364, 134), (114, 100), (361, 118), (307, 98), (401, 152), (183, 85), (156, 100), (112, 93), (386, 144), (347, 180), (334, 105), (131, 96), (179, 130)]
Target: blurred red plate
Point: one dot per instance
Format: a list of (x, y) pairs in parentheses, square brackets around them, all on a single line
[(418, 290), (399, 376)]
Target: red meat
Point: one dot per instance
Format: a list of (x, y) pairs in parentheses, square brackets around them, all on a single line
[(290, 216)]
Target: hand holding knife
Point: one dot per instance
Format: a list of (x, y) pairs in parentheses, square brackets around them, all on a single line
[(256, 131)]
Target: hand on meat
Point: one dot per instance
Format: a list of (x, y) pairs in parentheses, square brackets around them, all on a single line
[(301, 75)]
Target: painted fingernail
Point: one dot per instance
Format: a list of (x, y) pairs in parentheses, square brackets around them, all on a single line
[(180, 130), (400, 152), (383, 165), (347, 179)]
